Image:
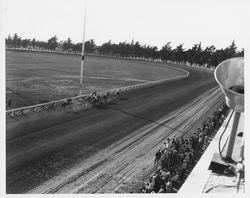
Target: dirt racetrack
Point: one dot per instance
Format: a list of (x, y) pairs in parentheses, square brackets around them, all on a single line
[(105, 150)]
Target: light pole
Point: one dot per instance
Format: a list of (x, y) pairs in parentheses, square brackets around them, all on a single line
[(82, 54)]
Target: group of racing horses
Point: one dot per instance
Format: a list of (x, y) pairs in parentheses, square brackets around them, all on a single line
[(93, 98)]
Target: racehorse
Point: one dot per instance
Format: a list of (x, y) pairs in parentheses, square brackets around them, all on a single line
[(117, 93), (105, 96), (96, 99), (103, 99), (91, 97), (66, 102)]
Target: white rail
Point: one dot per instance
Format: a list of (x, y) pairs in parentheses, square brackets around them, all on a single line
[(83, 99)]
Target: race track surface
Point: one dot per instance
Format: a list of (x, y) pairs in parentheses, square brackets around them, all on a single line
[(104, 149)]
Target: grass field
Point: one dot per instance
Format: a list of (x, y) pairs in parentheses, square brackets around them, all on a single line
[(32, 78)]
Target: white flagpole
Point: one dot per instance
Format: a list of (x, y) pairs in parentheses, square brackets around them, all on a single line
[(82, 54)]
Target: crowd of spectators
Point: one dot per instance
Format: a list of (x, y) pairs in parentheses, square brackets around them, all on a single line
[(178, 154)]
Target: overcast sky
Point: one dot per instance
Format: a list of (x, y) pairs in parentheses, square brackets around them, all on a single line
[(153, 22)]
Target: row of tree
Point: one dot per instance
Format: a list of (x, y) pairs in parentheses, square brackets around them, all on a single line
[(209, 56), (51, 44)]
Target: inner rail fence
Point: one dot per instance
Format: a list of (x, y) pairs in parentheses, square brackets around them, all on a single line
[(83, 98)]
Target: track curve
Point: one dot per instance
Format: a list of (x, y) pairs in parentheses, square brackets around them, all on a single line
[(87, 133)]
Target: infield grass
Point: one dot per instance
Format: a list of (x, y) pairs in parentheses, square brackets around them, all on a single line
[(32, 78)]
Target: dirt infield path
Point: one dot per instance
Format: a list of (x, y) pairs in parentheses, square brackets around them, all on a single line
[(106, 150)]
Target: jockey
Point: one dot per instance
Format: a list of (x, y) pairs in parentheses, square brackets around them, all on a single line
[(117, 93), (68, 100), (105, 96), (92, 96)]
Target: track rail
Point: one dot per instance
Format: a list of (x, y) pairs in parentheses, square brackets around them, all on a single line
[(83, 98)]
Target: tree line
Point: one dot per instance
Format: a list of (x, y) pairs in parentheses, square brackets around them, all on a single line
[(209, 56)]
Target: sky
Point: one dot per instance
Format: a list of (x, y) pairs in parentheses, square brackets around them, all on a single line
[(153, 22)]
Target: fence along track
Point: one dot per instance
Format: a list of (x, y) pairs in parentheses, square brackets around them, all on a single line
[(83, 99)]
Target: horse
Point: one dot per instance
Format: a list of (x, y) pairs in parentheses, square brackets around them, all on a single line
[(96, 99), (103, 99), (66, 102), (105, 96), (91, 97), (117, 93)]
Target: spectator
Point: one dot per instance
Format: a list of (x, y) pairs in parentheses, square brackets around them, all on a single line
[(162, 189), (164, 174), (168, 144), (151, 184), (157, 156), (143, 189), (191, 156), (158, 182), (164, 149), (183, 169), (147, 187), (169, 186), (165, 161)]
